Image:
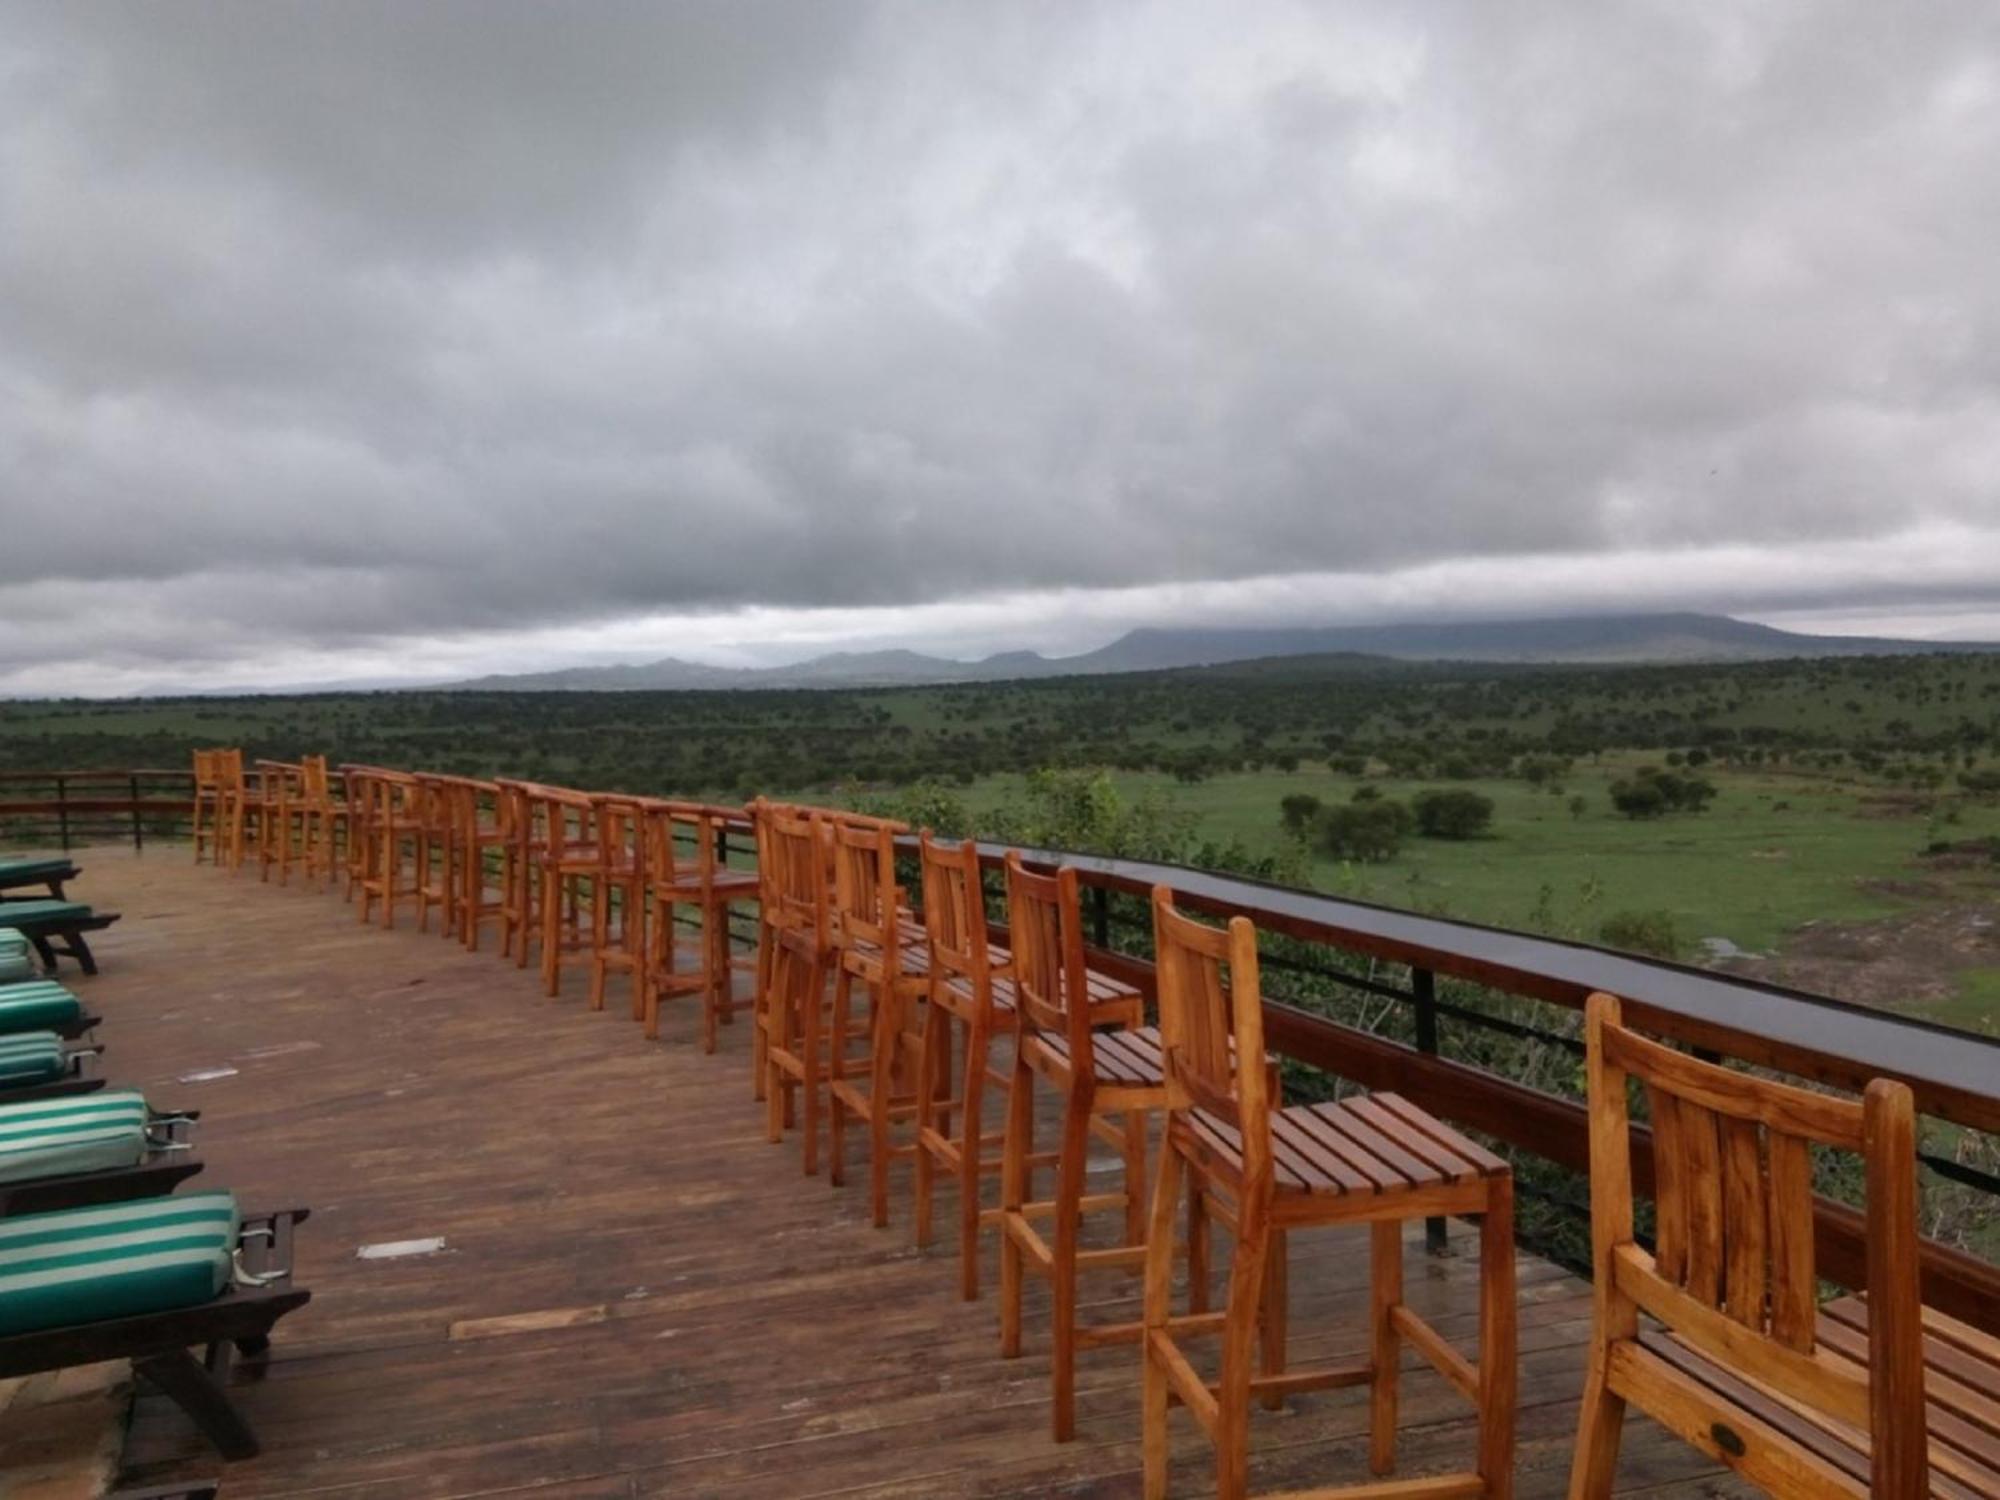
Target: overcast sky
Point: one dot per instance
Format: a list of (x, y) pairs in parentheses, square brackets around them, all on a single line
[(418, 339)]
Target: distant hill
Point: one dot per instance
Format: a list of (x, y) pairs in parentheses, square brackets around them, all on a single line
[(1594, 638)]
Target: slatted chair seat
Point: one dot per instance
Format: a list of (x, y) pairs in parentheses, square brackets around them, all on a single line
[(1119, 1059), (1961, 1382), (1375, 1144), (1112, 1001)]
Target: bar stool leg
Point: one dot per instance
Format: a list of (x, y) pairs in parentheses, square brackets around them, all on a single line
[(1385, 1344), (971, 1154), (1062, 1270), (1498, 1378), (1019, 1145), (1272, 1315), (1154, 1392), (1239, 1331)]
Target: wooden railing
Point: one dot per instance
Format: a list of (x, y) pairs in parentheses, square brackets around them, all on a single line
[(61, 809), (1434, 973)]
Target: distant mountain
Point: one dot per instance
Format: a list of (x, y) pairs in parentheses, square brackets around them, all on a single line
[(1593, 638)]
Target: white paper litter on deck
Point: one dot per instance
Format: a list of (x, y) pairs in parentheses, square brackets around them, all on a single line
[(395, 1249), (204, 1075)]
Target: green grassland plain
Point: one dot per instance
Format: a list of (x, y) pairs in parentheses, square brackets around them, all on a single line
[(1833, 778)]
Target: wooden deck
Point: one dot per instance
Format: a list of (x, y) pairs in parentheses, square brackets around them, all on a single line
[(638, 1295)]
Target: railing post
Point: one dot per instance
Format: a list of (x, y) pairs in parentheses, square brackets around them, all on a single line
[(62, 811), (138, 827), (1100, 916), (1423, 991)]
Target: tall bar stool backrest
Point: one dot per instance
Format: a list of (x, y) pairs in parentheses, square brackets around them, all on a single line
[(795, 845), (313, 779), (204, 770), (618, 824), (1732, 1272), (1212, 1025), (229, 769), (955, 913), (864, 884), (1045, 935)]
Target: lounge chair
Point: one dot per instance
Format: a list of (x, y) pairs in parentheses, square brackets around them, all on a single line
[(49, 875), (42, 1005), (144, 1281), (56, 929), (37, 1065), (100, 1148)]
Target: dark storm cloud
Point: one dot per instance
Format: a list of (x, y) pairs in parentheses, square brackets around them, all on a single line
[(357, 329)]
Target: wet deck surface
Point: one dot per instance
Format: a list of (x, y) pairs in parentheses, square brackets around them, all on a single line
[(639, 1295)]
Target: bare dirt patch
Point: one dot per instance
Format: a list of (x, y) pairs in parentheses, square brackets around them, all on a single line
[(1908, 961)]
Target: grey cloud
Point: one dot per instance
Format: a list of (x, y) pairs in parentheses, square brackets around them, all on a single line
[(329, 326)]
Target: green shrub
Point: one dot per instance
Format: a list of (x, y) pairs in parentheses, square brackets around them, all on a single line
[(1370, 832), (1452, 815)]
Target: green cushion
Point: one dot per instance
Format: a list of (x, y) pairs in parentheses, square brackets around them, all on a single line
[(28, 869), (56, 1137), (12, 941), (83, 1265), (42, 1005), (16, 968), (31, 1057)]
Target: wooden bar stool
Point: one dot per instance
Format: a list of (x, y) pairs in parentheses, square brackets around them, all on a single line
[(1108, 1082), (1717, 1333), (483, 838), (239, 803), (1377, 1160), (872, 1064), (683, 868), (792, 1010), (618, 897), (274, 818), (320, 819), (520, 815), (568, 860), (964, 967), (437, 855), (392, 826), (357, 851), (207, 813)]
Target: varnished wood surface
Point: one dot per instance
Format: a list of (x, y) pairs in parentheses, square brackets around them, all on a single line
[(638, 1294)]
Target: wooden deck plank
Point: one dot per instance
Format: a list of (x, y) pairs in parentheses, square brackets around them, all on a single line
[(664, 1304)]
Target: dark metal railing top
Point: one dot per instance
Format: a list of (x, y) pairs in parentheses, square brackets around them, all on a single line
[(1955, 1074)]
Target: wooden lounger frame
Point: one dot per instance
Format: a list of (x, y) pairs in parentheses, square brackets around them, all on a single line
[(56, 938), (158, 1344), (158, 1174)]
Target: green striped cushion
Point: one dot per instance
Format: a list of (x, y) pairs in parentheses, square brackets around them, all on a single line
[(37, 1006), (16, 968), (31, 1057), (82, 1265), (90, 1133), (13, 940)]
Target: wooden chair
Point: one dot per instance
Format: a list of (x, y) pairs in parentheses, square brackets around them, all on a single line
[(321, 820), (357, 848), (872, 1064), (481, 830), (279, 803), (392, 825), (518, 813), (239, 802), (207, 817), (962, 999), (792, 1007), (683, 868), (1108, 1082), (618, 897), (1716, 1335), (1376, 1159), (437, 854), (566, 859)]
